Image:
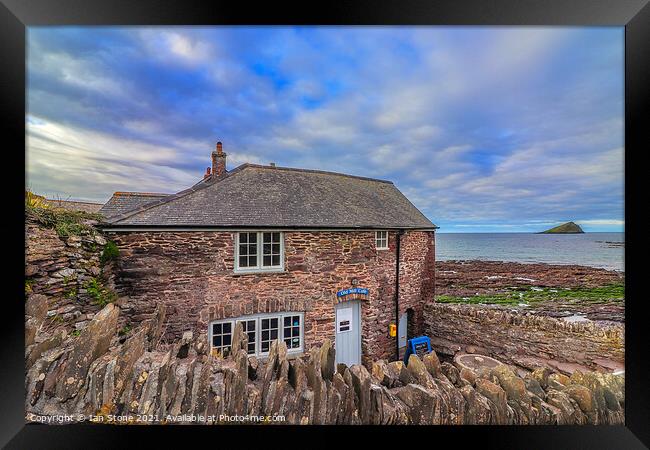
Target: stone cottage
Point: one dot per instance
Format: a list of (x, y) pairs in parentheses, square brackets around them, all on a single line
[(293, 254)]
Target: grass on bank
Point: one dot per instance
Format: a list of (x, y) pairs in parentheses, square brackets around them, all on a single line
[(65, 222), (530, 294)]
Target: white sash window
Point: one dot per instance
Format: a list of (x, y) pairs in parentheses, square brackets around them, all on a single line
[(259, 251)]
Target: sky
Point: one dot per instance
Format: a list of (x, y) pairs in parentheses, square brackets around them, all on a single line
[(484, 129)]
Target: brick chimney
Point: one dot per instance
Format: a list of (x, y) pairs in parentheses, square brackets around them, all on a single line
[(218, 161), (207, 173)]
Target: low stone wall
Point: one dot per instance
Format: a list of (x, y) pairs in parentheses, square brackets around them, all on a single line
[(525, 340), (139, 382)]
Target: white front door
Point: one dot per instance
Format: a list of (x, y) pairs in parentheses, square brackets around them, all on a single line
[(348, 332)]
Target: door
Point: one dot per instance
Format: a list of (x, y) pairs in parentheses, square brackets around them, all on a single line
[(402, 330), (348, 333)]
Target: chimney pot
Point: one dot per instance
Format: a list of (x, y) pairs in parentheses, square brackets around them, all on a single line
[(219, 148)]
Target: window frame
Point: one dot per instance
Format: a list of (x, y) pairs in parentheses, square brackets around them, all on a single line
[(378, 239), (258, 330), (259, 253)]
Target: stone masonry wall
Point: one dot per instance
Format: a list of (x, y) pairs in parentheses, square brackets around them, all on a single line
[(192, 274), (58, 268), (525, 340), (99, 376)]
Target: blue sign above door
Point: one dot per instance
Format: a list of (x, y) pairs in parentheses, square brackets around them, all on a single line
[(352, 291)]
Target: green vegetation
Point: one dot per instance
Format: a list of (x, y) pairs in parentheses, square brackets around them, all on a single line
[(29, 282), (101, 295), (569, 227), (603, 294), (125, 329), (66, 223), (110, 252), (72, 293), (75, 333)]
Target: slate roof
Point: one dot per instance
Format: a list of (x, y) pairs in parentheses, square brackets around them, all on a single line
[(267, 196), (122, 202)]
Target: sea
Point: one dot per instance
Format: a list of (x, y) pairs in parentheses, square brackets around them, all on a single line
[(604, 250)]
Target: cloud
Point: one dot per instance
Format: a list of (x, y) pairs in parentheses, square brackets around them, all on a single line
[(482, 128)]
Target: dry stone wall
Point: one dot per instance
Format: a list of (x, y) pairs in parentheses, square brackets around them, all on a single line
[(525, 340), (59, 268), (99, 376)]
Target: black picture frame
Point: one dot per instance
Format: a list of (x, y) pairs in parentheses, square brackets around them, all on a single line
[(16, 15)]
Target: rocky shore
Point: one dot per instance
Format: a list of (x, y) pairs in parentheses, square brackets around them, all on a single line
[(571, 292)]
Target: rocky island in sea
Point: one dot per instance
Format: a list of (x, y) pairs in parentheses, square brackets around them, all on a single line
[(565, 228)]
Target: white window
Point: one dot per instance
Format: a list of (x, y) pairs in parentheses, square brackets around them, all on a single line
[(381, 239), (259, 251), (262, 330)]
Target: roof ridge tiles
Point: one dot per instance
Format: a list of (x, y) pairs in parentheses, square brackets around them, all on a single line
[(324, 172)]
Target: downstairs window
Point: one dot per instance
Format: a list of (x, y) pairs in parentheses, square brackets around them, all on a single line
[(262, 330)]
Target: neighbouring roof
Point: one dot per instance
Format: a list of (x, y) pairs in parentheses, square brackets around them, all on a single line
[(264, 196), (122, 202), (74, 205)]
